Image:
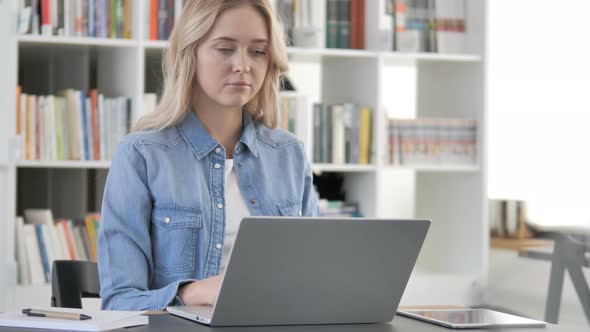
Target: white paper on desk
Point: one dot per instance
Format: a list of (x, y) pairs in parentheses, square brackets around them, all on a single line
[(101, 320)]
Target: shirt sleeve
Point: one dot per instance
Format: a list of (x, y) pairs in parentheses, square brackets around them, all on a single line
[(310, 206), (125, 262)]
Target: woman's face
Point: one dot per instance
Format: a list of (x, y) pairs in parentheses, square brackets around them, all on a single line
[(232, 59)]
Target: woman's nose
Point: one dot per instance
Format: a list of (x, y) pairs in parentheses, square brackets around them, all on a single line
[(241, 62)]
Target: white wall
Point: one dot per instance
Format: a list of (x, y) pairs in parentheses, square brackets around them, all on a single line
[(538, 100)]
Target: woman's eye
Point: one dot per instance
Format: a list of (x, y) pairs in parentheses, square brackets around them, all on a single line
[(225, 50), (258, 52)]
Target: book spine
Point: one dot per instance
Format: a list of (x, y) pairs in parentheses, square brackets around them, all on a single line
[(27, 133), (74, 240), (365, 136), (127, 28), (113, 19), (89, 129), (65, 132), (52, 129), (169, 18), (95, 124), (344, 24), (18, 109), (43, 251), (338, 139), (46, 24), (361, 24), (317, 118), (35, 265), (347, 124), (104, 25), (92, 239), (84, 126), (63, 228), (332, 23), (37, 130), (82, 238), (354, 24), (24, 275), (60, 28), (162, 18), (354, 144), (153, 20), (91, 13), (120, 19)]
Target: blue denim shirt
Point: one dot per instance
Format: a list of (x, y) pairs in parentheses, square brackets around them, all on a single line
[(163, 211)]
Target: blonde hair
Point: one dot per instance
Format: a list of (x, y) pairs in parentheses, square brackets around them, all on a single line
[(179, 64)]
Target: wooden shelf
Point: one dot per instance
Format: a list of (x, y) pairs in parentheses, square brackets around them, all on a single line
[(517, 244)]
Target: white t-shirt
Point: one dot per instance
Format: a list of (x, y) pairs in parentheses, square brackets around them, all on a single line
[(235, 210)]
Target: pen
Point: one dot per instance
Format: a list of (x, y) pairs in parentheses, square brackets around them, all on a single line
[(55, 314)]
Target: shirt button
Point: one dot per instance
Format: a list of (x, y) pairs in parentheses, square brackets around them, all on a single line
[(217, 150), (238, 148), (240, 164), (167, 220), (217, 166), (219, 206), (253, 201), (218, 246)]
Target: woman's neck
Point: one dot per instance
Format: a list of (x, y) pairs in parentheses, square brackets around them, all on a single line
[(223, 124)]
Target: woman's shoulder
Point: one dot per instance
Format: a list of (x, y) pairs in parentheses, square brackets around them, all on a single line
[(276, 137), (163, 138)]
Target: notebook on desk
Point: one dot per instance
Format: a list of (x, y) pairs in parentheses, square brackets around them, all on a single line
[(101, 320)]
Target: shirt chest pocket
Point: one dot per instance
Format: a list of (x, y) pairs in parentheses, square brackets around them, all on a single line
[(174, 237)]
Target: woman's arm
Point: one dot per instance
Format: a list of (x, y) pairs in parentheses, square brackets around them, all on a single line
[(310, 206), (125, 261)]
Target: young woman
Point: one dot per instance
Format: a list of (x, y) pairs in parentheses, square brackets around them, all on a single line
[(207, 157)]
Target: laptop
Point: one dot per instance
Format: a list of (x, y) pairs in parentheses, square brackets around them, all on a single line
[(297, 271)]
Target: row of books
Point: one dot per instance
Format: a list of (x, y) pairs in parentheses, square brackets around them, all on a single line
[(160, 18), (73, 125), (428, 25), (338, 209), (345, 24), (289, 106), (79, 18), (342, 134), (432, 141), (40, 240)]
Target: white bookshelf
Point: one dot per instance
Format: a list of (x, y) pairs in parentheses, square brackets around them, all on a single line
[(453, 261)]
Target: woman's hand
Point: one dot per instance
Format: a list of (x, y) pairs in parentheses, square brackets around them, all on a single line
[(202, 292)]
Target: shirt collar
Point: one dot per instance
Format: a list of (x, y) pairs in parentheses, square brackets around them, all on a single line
[(202, 143)]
